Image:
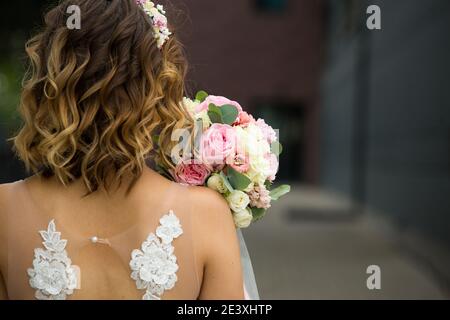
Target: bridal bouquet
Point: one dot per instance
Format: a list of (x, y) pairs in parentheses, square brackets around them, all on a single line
[(234, 154)]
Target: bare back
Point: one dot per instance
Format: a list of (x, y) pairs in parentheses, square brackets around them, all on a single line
[(207, 252)]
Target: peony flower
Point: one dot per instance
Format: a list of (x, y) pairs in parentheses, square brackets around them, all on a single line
[(260, 169), (260, 197), (238, 200), (218, 101), (269, 134), (218, 144), (274, 165), (191, 173), (216, 183), (243, 218), (257, 145)]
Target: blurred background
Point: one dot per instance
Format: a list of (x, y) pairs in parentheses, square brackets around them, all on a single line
[(364, 117)]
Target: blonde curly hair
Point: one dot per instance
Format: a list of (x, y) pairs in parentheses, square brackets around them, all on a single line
[(94, 98)]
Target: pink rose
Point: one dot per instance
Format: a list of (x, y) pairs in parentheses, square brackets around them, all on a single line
[(240, 163), (191, 173), (160, 21), (274, 165), (269, 134), (244, 119), (218, 101), (218, 145)]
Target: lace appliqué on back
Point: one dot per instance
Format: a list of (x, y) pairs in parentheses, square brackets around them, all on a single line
[(154, 267), (52, 274)]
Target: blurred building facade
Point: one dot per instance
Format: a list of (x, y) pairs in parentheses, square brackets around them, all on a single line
[(265, 54), (385, 119)]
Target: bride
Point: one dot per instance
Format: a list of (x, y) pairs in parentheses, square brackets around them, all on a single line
[(95, 221)]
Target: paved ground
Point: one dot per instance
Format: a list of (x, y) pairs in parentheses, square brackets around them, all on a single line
[(309, 248)]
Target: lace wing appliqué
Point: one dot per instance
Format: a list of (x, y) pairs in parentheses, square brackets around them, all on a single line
[(154, 266), (52, 274)]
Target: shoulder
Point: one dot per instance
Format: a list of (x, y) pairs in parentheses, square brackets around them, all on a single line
[(6, 202), (6, 190), (207, 208), (212, 221), (206, 199), (216, 245), (210, 207), (7, 199)]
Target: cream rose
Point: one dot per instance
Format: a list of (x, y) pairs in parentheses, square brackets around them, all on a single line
[(257, 145), (190, 105), (216, 183), (243, 218), (260, 169), (238, 200)]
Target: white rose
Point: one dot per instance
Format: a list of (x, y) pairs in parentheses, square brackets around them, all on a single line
[(216, 183), (259, 169), (256, 177), (241, 140), (257, 142), (190, 105), (238, 200), (257, 148), (243, 218)]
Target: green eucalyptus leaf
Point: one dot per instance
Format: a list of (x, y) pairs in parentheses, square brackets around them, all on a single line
[(226, 182), (201, 96), (237, 179), (280, 191), (258, 213), (229, 113), (215, 114), (276, 148)]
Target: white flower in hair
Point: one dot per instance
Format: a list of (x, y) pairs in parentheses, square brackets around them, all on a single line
[(159, 21)]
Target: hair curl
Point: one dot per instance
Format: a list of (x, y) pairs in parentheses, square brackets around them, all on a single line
[(93, 98)]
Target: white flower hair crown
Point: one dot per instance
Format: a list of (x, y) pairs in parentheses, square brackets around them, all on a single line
[(159, 20)]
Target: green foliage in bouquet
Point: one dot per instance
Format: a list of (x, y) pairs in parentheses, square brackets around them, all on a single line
[(226, 114), (246, 185)]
